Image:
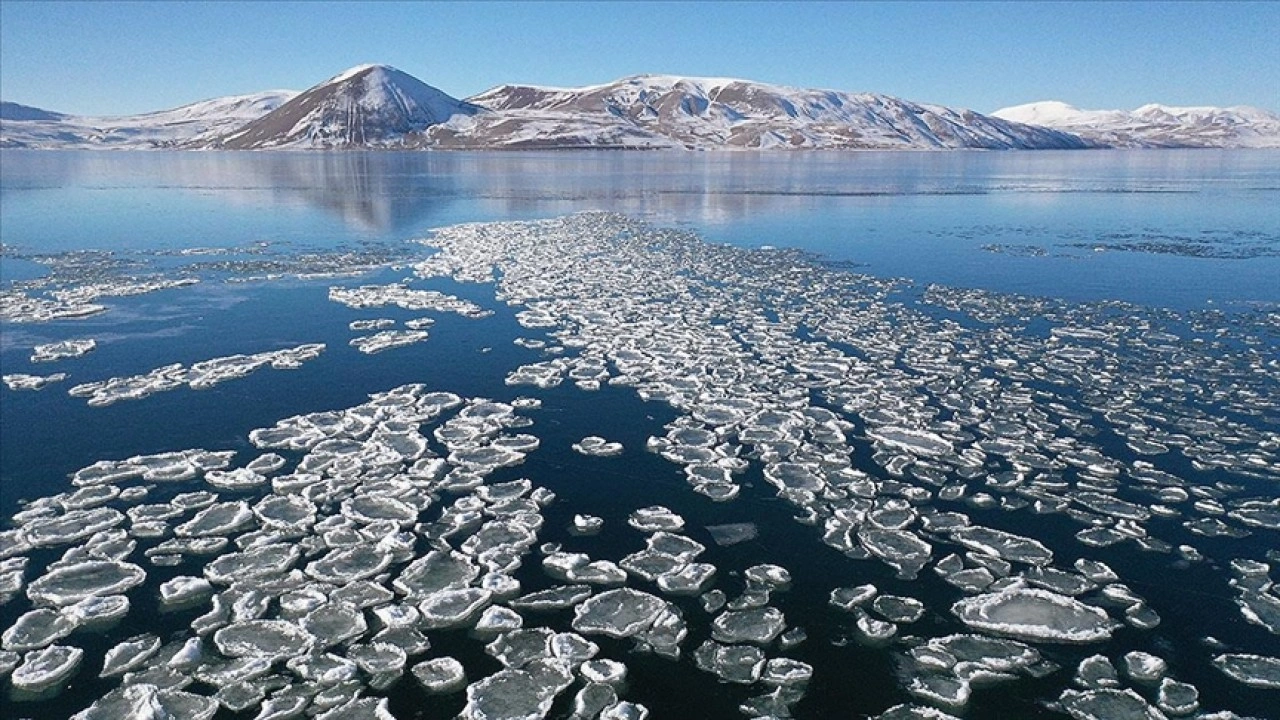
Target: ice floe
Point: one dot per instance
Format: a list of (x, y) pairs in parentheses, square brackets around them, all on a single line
[(23, 381), (1035, 614), (198, 376)]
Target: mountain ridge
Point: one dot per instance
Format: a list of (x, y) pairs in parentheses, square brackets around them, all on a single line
[(378, 106), (1155, 125)]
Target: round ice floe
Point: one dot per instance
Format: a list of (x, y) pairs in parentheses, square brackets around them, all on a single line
[(654, 519), (618, 613), (496, 619), (587, 524), (518, 648), (1108, 704), (348, 564), (554, 598), (378, 657), (184, 589), (129, 654), (1177, 698), (334, 622), (1035, 614), (272, 639), (898, 609), (485, 458), (285, 512), (219, 519), (259, 562), (771, 577), (596, 446), (756, 625), (603, 671), (71, 527), (453, 608), (1144, 667), (741, 664), (36, 629), (1002, 544), (690, 579), (899, 549), (97, 610), (69, 584), (238, 479), (135, 701), (439, 676), (1253, 670), (850, 598), (508, 695), (365, 509), (42, 669), (435, 571)]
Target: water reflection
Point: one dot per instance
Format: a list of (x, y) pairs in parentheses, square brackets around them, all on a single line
[(380, 192)]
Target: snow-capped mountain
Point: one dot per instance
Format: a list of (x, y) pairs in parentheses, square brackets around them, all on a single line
[(377, 106), (22, 126), (366, 106), (713, 113), (1155, 125), (14, 111)]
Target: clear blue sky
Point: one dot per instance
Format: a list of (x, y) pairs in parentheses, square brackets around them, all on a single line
[(126, 57)]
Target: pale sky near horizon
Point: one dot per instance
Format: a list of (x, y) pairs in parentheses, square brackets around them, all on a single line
[(104, 58)]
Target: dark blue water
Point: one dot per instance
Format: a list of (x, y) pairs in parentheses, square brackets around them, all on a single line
[(926, 216), (1184, 230)]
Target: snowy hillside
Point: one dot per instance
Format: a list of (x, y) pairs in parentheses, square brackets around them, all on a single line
[(179, 127), (713, 113), (366, 106), (377, 106), (1156, 125)]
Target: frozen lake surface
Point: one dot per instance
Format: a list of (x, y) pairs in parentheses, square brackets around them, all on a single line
[(601, 434)]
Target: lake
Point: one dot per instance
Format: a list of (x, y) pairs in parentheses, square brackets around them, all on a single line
[(979, 382)]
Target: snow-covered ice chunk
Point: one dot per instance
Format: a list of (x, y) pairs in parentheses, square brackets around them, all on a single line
[(1035, 614), (654, 519), (218, 519), (1257, 671), (618, 613), (758, 626), (596, 446), (507, 695), (1108, 704), (184, 589), (742, 664), (440, 676), (71, 527), (1144, 667), (453, 608), (334, 622), (387, 340), (23, 381), (348, 564), (70, 584), (1002, 544), (553, 598), (42, 669), (129, 654), (149, 701), (36, 629), (51, 352), (273, 639), (899, 549)]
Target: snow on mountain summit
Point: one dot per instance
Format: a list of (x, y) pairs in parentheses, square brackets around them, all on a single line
[(1155, 125), (711, 113), (367, 105)]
